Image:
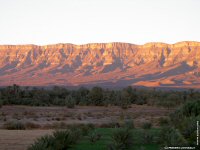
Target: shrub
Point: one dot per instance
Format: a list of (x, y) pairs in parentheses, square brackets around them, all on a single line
[(110, 125), (147, 138), (124, 106), (86, 128), (1, 103), (94, 137), (60, 140), (129, 124), (121, 140), (146, 125), (184, 119), (44, 143), (64, 139), (140, 101), (170, 136), (70, 101), (17, 125), (188, 128), (191, 108), (163, 121), (96, 96), (14, 125), (31, 125)]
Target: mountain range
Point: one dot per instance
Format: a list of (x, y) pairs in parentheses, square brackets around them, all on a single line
[(103, 64)]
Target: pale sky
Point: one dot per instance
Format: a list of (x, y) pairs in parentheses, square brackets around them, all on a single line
[(93, 21)]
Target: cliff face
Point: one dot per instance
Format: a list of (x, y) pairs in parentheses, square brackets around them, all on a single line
[(106, 64)]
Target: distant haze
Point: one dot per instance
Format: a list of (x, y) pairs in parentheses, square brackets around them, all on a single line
[(96, 21)]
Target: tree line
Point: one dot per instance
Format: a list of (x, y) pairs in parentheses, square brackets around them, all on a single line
[(61, 96)]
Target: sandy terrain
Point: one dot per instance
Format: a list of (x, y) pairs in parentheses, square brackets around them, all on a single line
[(19, 139), (47, 116)]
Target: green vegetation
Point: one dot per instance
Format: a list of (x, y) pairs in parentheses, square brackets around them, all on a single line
[(185, 120), (171, 137), (94, 137), (129, 124), (146, 125), (98, 139), (122, 139), (1, 103), (178, 129), (98, 96), (164, 121), (60, 140), (70, 101)]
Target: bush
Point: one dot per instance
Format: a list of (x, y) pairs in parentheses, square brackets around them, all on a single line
[(30, 125), (163, 121), (124, 106), (110, 125), (1, 103), (146, 125), (188, 128), (96, 96), (94, 137), (44, 143), (17, 125), (60, 140), (86, 128), (147, 138), (14, 125), (122, 139), (171, 137), (70, 102), (129, 124), (185, 118), (191, 108)]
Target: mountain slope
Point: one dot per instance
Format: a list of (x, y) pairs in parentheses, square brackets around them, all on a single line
[(104, 64)]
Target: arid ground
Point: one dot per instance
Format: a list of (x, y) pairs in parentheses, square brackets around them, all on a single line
[(19, 139), (47, 118), (98, 115)]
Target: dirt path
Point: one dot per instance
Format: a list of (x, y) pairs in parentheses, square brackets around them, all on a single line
[(19, 139)]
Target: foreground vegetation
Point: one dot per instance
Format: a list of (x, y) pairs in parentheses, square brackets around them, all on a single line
[(100, 138), (179, 129)]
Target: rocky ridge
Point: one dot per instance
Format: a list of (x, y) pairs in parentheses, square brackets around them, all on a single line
[(103, 64)]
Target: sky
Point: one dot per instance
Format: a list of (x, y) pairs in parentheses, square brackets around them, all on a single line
[(44, 22)]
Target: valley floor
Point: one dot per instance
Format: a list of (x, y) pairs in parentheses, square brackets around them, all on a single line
[(46, 117), (43, 120)]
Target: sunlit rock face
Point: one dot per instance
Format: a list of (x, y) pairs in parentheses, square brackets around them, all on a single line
[(103, 64)]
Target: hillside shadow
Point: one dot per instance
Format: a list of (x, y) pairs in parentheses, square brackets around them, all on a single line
[(183, 68)]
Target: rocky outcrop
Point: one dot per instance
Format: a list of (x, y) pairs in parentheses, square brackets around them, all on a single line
[(104, 64)]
